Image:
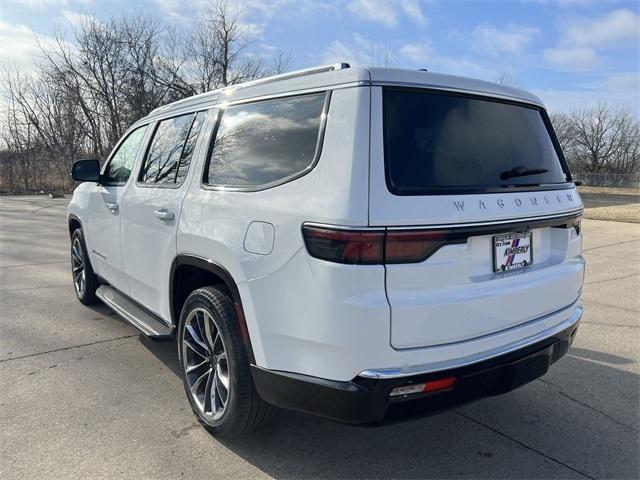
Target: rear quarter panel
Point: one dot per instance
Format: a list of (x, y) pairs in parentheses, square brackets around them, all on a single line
[(214, 223)]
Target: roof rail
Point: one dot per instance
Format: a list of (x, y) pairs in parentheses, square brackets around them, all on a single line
[(289, 75), (260, 81)]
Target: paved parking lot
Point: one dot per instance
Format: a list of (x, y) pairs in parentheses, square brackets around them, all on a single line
[(82, 395)]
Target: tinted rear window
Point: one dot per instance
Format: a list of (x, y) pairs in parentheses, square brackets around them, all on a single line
[(267, 142), (437, 142)]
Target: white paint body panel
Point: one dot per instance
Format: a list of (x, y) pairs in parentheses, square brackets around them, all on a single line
[(145, 240), (214, 225), (260, 238), (334, 321), (454, 295)]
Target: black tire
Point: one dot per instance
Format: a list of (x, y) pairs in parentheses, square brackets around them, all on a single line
[(244, 411), (86, 295)]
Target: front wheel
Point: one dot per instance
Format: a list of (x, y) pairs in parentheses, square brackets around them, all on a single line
[(84, 280), (215, 368)]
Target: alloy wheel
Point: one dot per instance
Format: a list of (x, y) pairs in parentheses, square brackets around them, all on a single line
[(205, 364), (78, 267)]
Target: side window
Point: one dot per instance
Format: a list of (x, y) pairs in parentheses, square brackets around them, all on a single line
[(119, 168), (161, 162), (262, 143), (189, 147)]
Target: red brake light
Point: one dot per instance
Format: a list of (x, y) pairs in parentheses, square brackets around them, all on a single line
[(371, 247), (345, 246), (411, 247)]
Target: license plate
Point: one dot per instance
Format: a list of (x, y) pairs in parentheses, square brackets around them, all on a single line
[(512, 251)]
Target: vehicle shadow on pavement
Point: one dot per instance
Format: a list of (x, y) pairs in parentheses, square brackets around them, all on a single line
[(573, 422)]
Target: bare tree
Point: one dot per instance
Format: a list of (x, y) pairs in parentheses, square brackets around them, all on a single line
[(279, 63), (380, 55), (508, 80), (597, 133), (563, 126), (599, 138), (95, 82), (218, 52)]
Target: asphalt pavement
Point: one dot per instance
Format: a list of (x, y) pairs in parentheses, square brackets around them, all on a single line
[(83, 395)]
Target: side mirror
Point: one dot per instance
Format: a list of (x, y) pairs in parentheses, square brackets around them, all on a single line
[(86, 171)]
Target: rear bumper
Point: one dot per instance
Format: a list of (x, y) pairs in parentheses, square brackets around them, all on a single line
[(366, 400)]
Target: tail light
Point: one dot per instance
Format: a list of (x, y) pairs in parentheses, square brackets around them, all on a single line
[(345, 246), (366, 247), (431, 386), (412, 247)]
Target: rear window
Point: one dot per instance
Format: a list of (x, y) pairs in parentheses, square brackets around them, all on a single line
[(440, 142), (266, 143)]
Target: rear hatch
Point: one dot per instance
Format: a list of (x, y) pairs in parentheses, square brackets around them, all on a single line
[(481, 217)]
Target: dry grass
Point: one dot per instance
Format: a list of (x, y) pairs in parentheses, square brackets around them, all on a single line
[(614, 204), (610, 190)]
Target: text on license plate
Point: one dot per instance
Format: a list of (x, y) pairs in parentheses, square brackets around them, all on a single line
[(512, 251)]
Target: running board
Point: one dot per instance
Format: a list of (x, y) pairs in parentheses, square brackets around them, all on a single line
[(144, 321)]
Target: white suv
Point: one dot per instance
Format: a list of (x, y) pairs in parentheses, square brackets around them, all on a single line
[(358, 244)]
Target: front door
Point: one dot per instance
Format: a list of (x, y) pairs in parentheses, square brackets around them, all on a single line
[(151, 210), (102, 225)]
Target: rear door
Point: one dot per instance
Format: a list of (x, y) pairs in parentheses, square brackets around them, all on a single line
[(152, 208), (479, 211)]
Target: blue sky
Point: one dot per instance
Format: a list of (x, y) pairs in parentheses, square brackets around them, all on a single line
[(569, 52)]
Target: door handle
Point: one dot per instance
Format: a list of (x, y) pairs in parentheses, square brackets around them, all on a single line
[(113, 207), (164, 214)]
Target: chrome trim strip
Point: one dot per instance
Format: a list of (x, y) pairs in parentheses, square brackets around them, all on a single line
[(439, 226), (398, 372), (568, 213)]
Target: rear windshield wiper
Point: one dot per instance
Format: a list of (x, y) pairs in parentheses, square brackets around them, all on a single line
[(521, 171)]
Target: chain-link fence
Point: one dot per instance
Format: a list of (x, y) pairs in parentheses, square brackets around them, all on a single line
[(621, 180)]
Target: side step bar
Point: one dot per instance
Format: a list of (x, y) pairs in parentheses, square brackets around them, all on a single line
[(144, 321)]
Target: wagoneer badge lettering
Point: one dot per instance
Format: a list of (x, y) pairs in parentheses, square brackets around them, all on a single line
[(517, 202)]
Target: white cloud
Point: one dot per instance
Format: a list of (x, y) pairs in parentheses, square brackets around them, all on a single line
[(76, 19), (423, 55), (387, 12), (37, 4), (615, 27), (20, 46), (624, 82), (359, 52), (380, 11), (174, 10), (566, 3), (579, 44), (415, 53), (571, 58), (512, 40), (293, 8), (413, 11), (338, 51), (564, 100)]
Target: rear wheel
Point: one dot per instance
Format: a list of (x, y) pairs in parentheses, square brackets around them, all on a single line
[(215, 367), (84, 280)]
